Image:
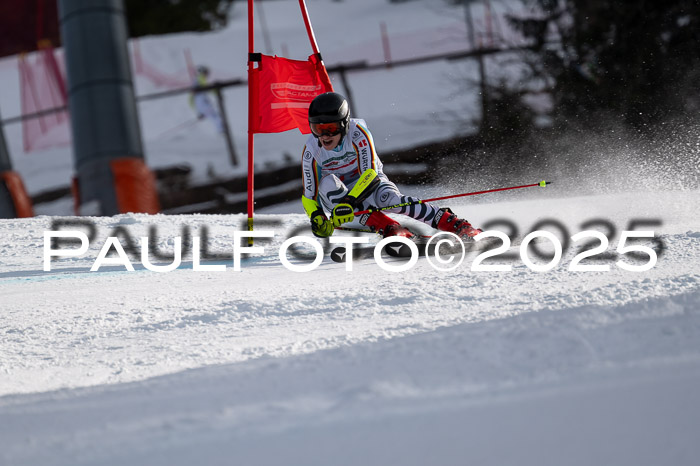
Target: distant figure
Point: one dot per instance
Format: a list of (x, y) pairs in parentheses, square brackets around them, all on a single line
[(201, 102)]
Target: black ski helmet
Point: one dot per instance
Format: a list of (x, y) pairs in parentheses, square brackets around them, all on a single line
[(330, 107)]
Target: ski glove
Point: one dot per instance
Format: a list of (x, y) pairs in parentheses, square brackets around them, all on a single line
[(342, 213), (321, 227)]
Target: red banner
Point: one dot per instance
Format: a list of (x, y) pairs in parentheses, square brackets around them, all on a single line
[(282, 91)]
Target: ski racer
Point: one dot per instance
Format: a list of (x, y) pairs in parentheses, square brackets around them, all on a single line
[(200, 100), (342, 173)]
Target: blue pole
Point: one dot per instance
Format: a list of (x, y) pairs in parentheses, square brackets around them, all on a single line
[(108, 153)]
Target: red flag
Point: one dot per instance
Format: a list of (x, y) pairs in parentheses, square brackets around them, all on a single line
[(282, 91)]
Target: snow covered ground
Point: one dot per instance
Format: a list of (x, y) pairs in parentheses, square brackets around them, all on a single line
[(269, 366)]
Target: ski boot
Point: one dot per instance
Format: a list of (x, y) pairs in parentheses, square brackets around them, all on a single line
[(385, 225), (446, 220), (390, 228)]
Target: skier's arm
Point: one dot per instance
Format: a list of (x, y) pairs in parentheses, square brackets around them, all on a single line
[(320, 225), (364, 146), (309, 170)]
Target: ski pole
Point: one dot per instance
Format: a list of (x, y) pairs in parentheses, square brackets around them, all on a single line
[(422, 201), (180, 126), (355, 230), (366, 230)]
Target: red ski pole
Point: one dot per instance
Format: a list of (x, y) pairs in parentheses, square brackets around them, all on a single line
[(422, 201)]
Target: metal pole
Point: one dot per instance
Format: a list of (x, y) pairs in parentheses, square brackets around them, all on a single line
[(348, 91), (385, 43), (109, 161), (5, 161), (14, 201), (7, 209), (471, 34), (227, 130)]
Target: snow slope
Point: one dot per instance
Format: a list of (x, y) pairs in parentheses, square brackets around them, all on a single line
[(269, 366)]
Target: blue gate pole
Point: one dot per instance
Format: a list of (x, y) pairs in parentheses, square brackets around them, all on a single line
[(111, 176)]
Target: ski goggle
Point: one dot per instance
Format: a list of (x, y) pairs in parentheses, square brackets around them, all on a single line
[(329, 129)]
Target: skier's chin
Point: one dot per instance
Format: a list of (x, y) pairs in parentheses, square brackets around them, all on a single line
[(329, 144)]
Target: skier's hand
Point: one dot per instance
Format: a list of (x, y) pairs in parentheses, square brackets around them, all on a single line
[(320, 225), (200, 116), (342, 213)]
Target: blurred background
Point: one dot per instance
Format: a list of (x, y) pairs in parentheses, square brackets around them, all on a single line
[(459, 95)]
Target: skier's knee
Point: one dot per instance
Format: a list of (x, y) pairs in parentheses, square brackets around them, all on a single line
[(332, 189)]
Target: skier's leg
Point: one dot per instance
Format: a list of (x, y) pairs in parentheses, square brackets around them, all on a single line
[(446, 220), (388, 194), (443, 219), (385, 194), (331, 191), (202, 104), (206, 108), (384, 225)]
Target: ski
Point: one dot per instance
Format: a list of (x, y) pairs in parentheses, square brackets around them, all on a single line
[(339, 254), (401, 250)]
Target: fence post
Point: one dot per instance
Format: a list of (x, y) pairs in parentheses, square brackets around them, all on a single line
[(14, 201), (482, 65), (227, 130), (348, 91), (385, 43), (6, 205)]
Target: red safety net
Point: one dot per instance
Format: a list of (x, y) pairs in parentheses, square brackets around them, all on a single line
[(43, 88), (160, 78)]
